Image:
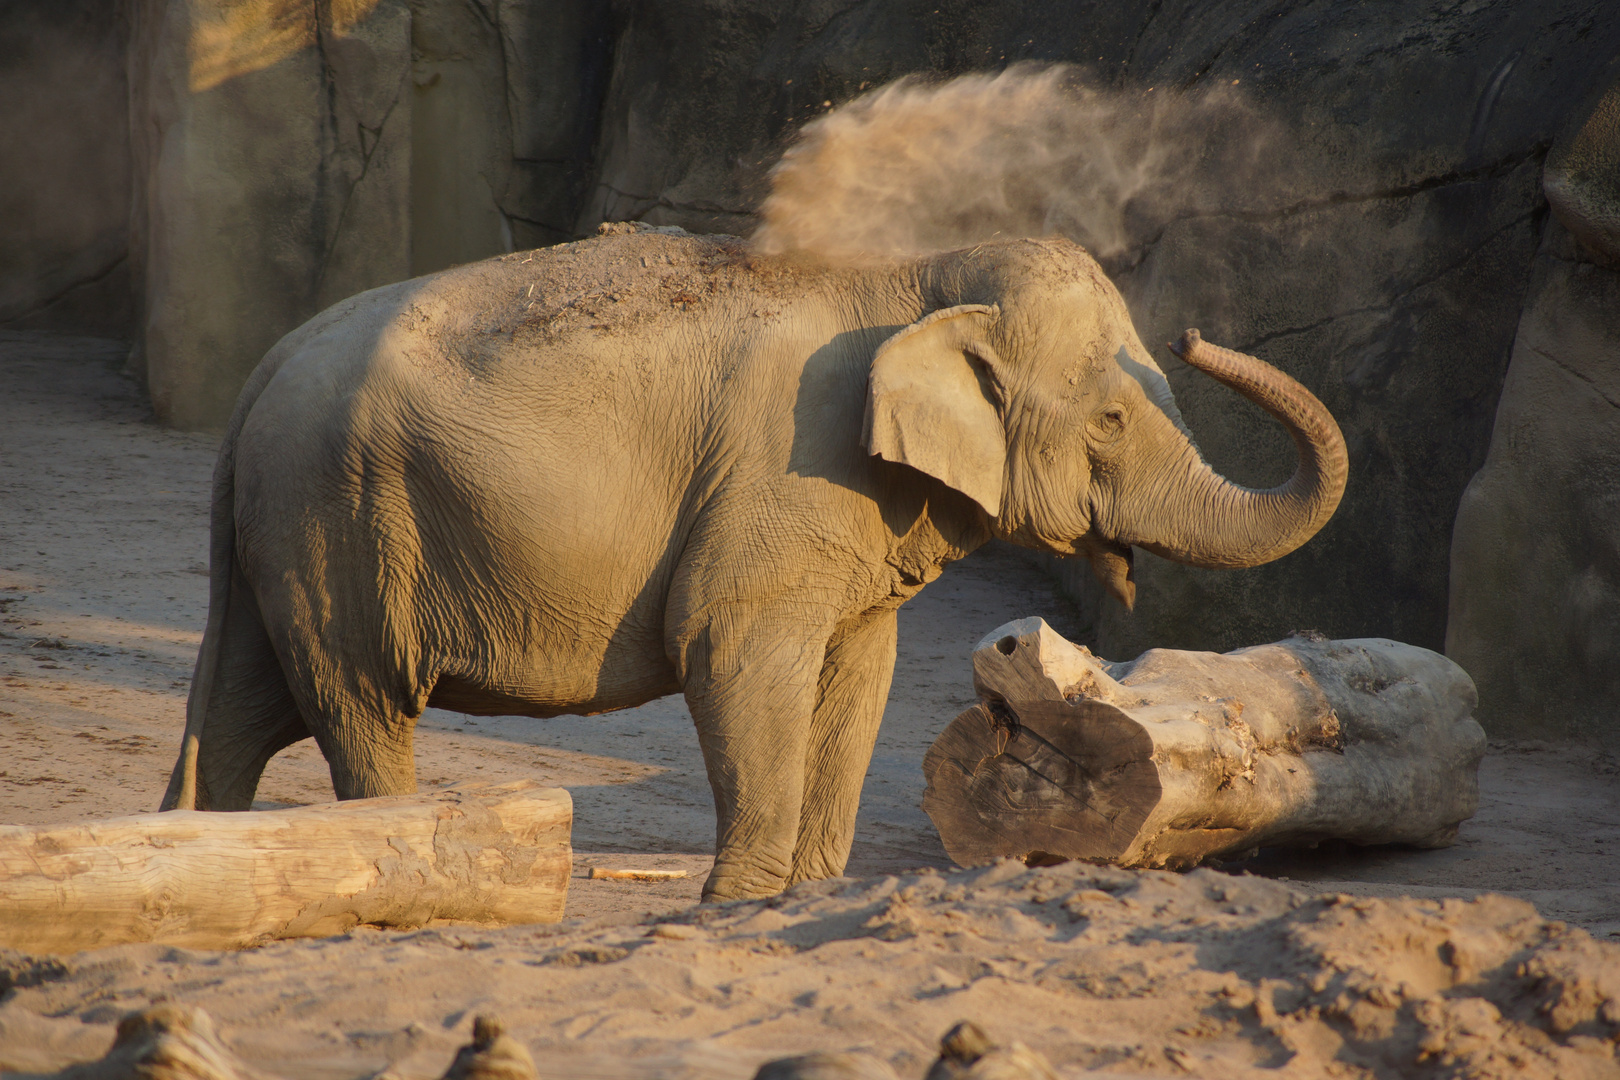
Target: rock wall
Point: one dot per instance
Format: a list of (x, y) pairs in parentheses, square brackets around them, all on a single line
[(273, 166), (1535, 559), (1383, 263), (64, 167), (1535, 580)]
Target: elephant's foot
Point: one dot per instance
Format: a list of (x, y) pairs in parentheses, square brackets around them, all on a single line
[(744, 877), (824, 861)]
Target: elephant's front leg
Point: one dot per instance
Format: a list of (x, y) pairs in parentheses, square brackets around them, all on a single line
[(750, 681), (850, 696)]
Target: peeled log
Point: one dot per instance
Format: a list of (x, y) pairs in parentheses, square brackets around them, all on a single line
[(1177, 757), (474, 853)]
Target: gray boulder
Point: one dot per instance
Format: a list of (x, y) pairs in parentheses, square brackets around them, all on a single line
[(1535, 564)]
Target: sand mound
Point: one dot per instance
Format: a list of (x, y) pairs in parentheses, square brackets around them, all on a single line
[(1140, 972)]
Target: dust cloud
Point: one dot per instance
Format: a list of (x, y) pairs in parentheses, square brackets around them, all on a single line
[(917, 167)]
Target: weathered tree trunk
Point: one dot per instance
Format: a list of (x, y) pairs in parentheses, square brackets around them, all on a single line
[(1177, 757), (474, 853)]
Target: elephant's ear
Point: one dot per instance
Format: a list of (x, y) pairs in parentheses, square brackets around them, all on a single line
[(927, 406)]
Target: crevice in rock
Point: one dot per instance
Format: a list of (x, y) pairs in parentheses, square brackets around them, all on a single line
[(1141, 32), (348, 194), (1239, 42), (1587, 379), (1133, 257), (1388, 301), (62, 293), (811, 32)]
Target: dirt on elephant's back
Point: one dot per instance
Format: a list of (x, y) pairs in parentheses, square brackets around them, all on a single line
[(634, 275)]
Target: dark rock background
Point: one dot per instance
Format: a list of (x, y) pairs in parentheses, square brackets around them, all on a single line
[(64, 167), (1383, 263), (1382, 255)]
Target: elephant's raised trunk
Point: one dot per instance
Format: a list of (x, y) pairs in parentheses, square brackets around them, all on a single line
[(1209, 521)]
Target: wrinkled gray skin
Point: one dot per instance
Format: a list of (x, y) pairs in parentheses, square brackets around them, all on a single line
[(577, 479)]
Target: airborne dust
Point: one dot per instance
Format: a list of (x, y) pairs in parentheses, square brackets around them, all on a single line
[(917, 167)]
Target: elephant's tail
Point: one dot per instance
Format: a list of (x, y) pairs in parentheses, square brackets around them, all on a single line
[(182, 793)]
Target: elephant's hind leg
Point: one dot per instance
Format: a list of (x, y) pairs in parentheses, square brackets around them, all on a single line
[(366, 738), (359, 705), (250, 713), (850, 696)]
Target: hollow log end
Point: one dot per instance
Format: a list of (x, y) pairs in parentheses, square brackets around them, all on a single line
[(1075, 781)]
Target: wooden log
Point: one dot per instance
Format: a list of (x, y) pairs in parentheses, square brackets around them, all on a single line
[(482, 853), (1177, 757)]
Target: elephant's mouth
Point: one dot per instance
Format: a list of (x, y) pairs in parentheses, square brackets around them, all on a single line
[(1111, 562)]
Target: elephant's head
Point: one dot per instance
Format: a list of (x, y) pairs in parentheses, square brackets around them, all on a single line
[(1029, 391)]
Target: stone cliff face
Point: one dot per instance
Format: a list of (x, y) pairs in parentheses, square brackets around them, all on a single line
[(287, 154)]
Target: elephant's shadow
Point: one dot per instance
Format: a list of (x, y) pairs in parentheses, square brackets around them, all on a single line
[(636, 775)]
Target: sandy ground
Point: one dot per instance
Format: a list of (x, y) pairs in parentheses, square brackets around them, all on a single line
[(1201, 974), (103, 539)]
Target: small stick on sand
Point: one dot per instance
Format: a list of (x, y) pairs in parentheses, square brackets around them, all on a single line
[(598, 872)]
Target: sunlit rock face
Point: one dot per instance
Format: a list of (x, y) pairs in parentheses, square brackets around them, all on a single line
[(290, 154)]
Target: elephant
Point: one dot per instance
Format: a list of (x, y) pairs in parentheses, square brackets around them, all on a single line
[(577, 479)]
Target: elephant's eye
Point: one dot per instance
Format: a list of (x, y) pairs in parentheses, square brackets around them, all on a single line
[(1107, 424)]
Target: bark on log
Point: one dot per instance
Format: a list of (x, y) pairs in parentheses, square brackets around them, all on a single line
[(1177, 757), (474, 853)]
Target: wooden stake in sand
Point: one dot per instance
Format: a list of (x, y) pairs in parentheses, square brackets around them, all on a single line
[(1177, 757), (474, 853), (602, 872)]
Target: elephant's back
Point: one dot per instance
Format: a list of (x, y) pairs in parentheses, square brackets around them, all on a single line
[(659, 300), (618, 284), (540, 395)]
